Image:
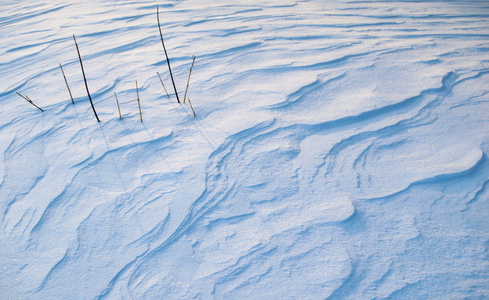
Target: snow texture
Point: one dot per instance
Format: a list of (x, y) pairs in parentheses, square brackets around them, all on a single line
[(339, 150)]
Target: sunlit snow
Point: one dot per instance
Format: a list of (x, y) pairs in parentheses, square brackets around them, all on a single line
[(339, 150)]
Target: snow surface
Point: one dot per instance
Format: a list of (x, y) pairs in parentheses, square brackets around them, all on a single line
[(339, 150)]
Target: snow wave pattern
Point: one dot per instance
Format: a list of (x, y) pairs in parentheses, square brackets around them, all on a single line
[(339, 151)]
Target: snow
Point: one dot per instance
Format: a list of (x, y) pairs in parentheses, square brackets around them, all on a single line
[(339, 150)]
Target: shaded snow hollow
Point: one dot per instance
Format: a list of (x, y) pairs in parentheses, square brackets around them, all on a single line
[(339, 150)]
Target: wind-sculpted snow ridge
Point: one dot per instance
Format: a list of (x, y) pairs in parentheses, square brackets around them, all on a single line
[(339, 151)]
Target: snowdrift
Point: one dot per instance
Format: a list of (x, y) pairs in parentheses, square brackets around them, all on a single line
[(339, 150)]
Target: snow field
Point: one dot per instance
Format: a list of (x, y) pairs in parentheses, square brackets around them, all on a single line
[(339, 151)]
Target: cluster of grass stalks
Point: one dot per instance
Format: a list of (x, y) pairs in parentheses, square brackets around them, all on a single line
[(137, 90), (137, 99)]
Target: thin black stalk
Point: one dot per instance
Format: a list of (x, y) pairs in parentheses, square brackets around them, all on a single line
[(188, 81), (163, 84), (192, 107), (85, 78), (139, 104), (30, 101), (129, 101), (66, 81), (118, 107), (164, 48)]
